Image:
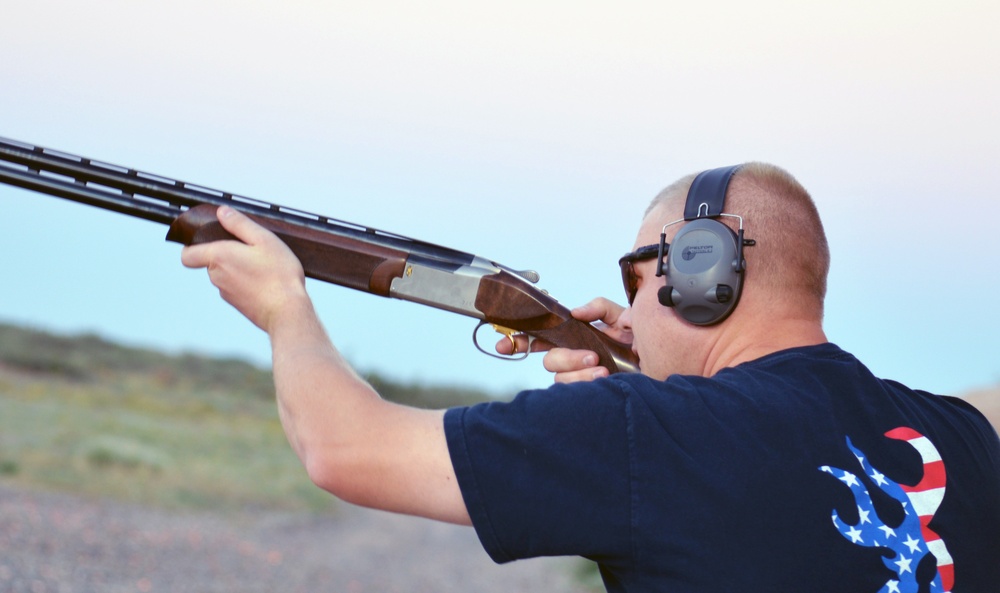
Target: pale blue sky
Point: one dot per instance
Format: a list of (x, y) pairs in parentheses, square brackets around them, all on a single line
[(533, 133)]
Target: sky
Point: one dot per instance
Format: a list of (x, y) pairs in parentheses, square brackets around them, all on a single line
[(530, 133)]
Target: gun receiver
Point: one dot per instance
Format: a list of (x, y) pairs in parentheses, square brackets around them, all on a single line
[(331, 250)]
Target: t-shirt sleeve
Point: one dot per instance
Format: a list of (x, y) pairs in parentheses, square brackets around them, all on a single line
[(548, 473)]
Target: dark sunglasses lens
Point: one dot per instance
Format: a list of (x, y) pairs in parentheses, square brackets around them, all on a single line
[(629, 281)]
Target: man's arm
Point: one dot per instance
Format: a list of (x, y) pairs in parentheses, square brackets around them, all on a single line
[(353, 443)]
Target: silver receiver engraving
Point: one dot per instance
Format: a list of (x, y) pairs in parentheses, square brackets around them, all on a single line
[(453, 290)]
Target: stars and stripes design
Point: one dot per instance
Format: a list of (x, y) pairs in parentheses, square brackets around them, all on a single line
[(911, 540), (926, 497)]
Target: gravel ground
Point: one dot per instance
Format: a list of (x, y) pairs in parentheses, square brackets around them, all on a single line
[(58, 543)]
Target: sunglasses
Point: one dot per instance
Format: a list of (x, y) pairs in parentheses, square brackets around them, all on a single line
[(643, 253)]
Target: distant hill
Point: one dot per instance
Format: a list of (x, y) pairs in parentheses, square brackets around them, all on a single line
[(85, 415), (88, 357)]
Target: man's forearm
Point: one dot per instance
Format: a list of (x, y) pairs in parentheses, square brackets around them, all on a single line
[(316, 389), (353, 443)]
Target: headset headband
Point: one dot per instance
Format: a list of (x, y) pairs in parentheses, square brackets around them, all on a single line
[(707, 195)]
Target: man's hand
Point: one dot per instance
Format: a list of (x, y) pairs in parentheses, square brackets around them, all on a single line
[(258, 276), (570, 365)]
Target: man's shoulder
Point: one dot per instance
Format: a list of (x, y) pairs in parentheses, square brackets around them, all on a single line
[(825, 353), (804, 364), (783, 366)]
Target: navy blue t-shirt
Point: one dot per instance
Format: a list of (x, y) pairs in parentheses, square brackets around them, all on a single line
[(799, 471)]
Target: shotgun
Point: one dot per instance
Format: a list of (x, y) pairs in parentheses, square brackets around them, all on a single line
[(331, 250)]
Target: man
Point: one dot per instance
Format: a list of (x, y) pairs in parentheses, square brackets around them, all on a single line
[(749, 455)]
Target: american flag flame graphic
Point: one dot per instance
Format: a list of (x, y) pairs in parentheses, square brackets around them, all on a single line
[(913, 539)]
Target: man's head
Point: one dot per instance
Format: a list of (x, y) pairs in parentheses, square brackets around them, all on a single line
[(784, 285)]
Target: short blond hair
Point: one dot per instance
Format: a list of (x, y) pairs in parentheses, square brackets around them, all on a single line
[(792, 256)]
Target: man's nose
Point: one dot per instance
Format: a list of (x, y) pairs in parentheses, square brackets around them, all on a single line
[(626, 318)]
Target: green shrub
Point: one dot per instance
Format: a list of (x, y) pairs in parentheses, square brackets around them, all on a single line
[(8, 467), (108, 451), (85, 415)]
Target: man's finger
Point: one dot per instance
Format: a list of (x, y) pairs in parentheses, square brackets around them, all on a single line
[(584, 375), (238, 224), (561, 360), (599, 309), (241, 226), (197, 256), (519, 344)]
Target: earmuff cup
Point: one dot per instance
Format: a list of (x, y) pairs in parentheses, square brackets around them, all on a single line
[(704, 284)]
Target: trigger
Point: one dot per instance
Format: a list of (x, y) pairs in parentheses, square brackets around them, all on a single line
[(509, 334)]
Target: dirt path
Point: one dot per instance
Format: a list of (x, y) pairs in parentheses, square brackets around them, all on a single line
[(56, 543)]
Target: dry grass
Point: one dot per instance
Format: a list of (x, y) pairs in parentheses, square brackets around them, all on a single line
[(83, 415)]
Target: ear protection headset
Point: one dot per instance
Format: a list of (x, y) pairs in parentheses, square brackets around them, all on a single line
[(704, 265)]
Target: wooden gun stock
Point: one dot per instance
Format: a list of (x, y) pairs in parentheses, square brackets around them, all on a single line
[(509, 301)]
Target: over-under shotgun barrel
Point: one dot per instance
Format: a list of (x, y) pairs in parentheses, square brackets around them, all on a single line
[(331, 250)]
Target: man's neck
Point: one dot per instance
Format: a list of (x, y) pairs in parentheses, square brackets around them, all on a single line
[(739, 344)]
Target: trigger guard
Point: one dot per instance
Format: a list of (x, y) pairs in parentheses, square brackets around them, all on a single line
[(518, 356)]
